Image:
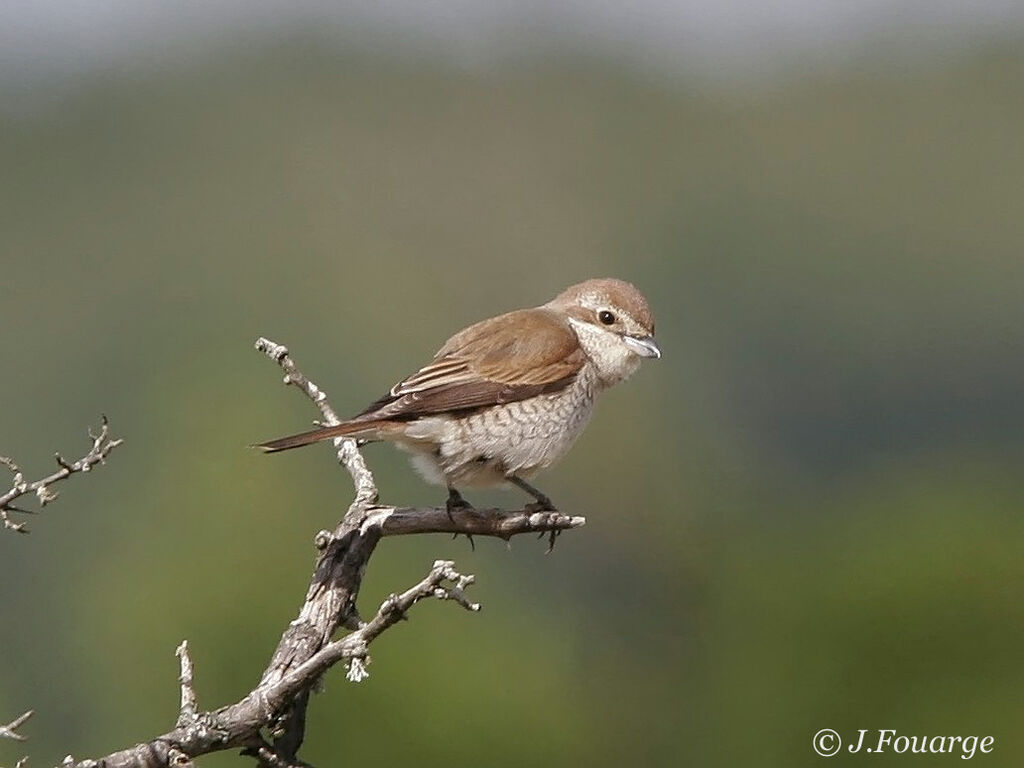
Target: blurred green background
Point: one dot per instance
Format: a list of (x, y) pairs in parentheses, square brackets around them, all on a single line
[(807, 515)]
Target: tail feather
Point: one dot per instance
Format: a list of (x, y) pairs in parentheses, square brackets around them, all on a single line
[(345, 429)]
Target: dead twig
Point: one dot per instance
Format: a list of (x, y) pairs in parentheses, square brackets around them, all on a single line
[(268, 724), (101, 447), (10, 731)]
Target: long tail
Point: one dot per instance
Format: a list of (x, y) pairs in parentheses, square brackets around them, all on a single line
[(346, 428)]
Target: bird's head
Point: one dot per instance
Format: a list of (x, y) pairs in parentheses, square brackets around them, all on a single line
[(613, 322)]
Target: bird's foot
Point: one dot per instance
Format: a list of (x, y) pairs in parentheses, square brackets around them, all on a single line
[(454, 504), (543, 504)]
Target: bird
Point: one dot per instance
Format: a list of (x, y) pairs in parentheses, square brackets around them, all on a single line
[(507, 397)]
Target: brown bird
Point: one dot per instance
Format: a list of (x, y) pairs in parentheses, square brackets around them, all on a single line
[(508, 396)]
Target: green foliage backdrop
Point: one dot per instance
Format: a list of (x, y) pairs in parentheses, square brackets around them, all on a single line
[(807, 515)]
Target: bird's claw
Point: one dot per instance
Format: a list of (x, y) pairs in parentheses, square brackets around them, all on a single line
[(455, 503), (541, 505), (552, 535)]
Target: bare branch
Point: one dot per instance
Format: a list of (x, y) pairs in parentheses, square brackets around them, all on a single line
[(356, 644), (268, 724), (348, 450), (10, 731), (267, 756), (188, 710), (102, 445), (239, 725), (504, 524)]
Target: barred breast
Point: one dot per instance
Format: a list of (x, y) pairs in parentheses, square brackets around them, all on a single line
[(486, 446)]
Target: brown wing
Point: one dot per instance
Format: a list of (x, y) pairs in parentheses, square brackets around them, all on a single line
[(506, 358)]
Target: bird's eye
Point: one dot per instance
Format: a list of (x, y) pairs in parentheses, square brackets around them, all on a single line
[(606, 317)]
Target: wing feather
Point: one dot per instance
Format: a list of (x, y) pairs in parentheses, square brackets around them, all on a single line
[(501, 360)]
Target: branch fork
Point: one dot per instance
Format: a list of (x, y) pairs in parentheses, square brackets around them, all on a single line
[(268, 724), (10, 731)]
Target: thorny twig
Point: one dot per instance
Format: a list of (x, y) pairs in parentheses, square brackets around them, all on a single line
[(10, 731), (268, 723), (102, 445), (348, 449), (240, 725)]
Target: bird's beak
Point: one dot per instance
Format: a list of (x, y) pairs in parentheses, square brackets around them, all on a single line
[(644, 346)]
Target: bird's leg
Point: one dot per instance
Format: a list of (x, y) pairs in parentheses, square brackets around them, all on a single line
[(543, 503), (455, 501)]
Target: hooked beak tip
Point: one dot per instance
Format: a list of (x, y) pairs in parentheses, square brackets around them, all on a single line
[(644, 346)]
